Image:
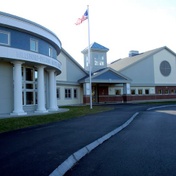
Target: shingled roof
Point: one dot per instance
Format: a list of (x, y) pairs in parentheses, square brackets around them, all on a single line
[(121, 64), (96, 47), (106, 75)]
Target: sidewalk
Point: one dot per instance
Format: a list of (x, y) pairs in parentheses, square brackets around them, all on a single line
[(5, 116)]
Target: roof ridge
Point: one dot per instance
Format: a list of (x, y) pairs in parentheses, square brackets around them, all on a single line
[(145, 52), (119, 65), (96, 46)]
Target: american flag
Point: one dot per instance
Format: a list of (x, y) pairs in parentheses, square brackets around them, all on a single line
[(83, 18)]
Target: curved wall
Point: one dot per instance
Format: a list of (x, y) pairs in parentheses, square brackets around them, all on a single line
[(28, 66), (21, 40), (30, 27), (21, 32)]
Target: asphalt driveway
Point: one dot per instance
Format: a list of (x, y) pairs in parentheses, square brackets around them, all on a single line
[(39, 150)]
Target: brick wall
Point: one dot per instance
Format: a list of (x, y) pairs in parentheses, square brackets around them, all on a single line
[(130, 98)]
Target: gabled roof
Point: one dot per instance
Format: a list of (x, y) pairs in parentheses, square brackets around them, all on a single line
[(121, 64), (106, 75), (96, 47)]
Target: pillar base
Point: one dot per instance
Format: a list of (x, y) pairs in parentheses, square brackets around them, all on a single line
[(53, 109), (19, 113), (41, 111)]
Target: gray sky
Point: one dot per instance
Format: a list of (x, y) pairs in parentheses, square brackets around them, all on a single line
[(120, 25)]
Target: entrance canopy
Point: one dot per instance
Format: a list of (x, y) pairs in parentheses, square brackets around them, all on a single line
[(107, 75)]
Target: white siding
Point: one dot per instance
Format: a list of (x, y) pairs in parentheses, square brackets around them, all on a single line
[(70, 101), (141, 72), (68, 79), (157, 59), (63, 76), (6, 87)]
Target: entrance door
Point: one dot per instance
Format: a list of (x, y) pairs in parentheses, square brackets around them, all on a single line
[(103, 96)]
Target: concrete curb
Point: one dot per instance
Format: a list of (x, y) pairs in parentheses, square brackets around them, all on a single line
[(75, 157), (157, 107)]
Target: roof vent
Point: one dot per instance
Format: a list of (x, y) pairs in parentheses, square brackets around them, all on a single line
[(133, 53)]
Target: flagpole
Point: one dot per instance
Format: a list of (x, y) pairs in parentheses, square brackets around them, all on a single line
[(90, 79)]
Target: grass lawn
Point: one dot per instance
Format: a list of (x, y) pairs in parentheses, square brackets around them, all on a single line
[(10, 124), (14, 123)]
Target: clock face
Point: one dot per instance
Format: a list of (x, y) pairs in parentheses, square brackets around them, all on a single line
[(165, 68)]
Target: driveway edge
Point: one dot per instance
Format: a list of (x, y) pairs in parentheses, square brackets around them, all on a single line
[(75, 157)]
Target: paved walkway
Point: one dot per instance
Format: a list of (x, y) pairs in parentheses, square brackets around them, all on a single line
[(60, 110)]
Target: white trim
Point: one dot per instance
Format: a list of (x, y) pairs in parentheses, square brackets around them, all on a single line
[(18, 54)]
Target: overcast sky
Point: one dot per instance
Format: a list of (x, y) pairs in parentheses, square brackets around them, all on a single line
[(120, 25)]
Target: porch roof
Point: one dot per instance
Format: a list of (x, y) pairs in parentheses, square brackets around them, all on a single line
[(106, 75)]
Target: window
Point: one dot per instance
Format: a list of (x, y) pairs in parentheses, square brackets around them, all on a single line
[(146, 91), (36, 75), (75, 93), (172, 91), (29, 74), (133, 91), (166, 91), (139, 91), (36, 100), (102, 60), (87, 61), (23, 98), (118, 92), (99, 60), (165, 68), (29, 86), (58, 93), (50, 52), (29, 98), (160, 91), (67, 93), (4, 38), (34, 45)]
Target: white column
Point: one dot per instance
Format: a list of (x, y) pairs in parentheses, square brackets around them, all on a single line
[(86, 88), (17, 78), (55, 87), (126, 89), (52, 91), (41, 91)]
